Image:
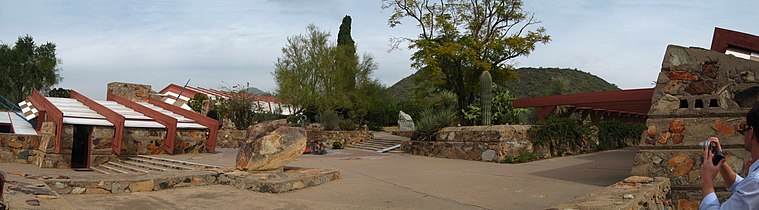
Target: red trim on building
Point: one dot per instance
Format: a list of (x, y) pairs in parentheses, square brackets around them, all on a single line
[(188, 92), (45, 109), (724, 38), (211, 124), (635, 102), (110, 115), (169, 122)]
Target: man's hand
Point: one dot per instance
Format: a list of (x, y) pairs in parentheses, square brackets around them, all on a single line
[(708, 170)]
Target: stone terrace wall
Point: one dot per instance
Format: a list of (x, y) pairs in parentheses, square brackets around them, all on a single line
[(346, 137), (632, 193), (230, 138), (699, 93), (481, 143)]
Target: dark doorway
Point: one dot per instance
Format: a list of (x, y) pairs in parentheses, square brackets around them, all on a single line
[(80, 150), (6, 128)]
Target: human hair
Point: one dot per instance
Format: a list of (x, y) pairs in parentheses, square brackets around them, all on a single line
[(752, 119)]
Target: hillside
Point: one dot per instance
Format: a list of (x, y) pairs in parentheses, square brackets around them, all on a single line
[(532, 83)]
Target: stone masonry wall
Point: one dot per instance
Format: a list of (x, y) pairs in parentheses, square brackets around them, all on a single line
[(346, 137), (633, 193), (699, 94), (230, 138), (17, 148), (190, 141), (134, 92), (481, 143), (146, 141)]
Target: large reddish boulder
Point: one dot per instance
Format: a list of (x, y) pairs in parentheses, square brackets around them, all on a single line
[(273, 150)]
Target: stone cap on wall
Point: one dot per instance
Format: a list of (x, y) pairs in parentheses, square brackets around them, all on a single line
[(495, 133)]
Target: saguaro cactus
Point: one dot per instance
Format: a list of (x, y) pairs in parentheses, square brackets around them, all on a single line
[(486, 97)]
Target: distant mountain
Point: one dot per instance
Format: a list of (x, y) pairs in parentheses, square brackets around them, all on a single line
[(532, 83), (256, 91)]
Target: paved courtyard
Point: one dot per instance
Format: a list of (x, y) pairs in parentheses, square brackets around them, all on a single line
[(394, 181)]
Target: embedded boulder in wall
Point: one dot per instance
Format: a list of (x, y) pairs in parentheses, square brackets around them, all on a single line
[(272, 151)]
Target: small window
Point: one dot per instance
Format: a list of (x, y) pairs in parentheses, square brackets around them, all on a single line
[(713, 103), (683, 103), (699, 104)]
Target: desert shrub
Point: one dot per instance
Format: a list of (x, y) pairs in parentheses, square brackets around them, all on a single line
[(432, 120), (612, 134), (59, 93), (337, 145), (558, 133), (329, 119), (347, 125), (523, 157), (196, 102)]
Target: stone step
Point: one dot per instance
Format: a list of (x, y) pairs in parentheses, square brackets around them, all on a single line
[(180, 162), (146, 166), (386, 140), (127, 167), (368, 148), (101, 170), (377, 145), (111, 168), (160, 163)]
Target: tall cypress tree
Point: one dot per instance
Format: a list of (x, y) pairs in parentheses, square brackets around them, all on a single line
[(346, 58)]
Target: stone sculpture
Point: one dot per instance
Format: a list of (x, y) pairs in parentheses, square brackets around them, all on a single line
[(405, 123)]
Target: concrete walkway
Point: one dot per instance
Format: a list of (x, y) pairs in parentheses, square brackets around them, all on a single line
[(396, 181)]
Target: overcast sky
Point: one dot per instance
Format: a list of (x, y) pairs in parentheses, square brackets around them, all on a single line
[(221, 43)]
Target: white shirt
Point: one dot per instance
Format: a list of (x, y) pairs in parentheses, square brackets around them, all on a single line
[(745, 193)]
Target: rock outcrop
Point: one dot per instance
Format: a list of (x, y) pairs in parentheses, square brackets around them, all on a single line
[(271, 145)]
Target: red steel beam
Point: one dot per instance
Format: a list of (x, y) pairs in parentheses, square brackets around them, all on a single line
[(112, 116), (211, 124), (47, 108), (167, 121), (586, 98), (724, 39), (176, 89)]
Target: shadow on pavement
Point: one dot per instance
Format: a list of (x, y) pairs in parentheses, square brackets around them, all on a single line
[(605, 168)]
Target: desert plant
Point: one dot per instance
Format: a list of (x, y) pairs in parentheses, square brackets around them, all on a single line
[(431, 120), (523, 157), (196, 102), (486, 97), (337, 145), (59, 93), (612, 134), (558, 133), (329, 119)]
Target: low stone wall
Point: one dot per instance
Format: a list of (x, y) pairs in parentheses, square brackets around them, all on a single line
[(632, 193), (407, 134), (346, 137), (261, 181), (190, 141), (17, 148), (230, 138), (481, 143)]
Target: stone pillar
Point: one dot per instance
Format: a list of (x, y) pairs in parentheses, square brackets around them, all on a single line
[(133, 92), (699, 94)]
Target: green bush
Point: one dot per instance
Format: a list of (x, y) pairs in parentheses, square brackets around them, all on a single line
[(612, 134), (558, 133), (59, 93), (525, 156), (347, 125), (337, 145)]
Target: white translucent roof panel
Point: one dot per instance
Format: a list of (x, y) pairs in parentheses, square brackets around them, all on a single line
[(179, 118), (142, 124), (190, 125), (73, 108), (5, 117), (174, 95), (123, 110), (86, 121), (20, 126)]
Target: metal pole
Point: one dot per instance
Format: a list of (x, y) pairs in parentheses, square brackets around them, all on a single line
[(183, 87)]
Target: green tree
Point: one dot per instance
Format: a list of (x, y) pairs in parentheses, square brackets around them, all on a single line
[(320, 76), (27, 66), (461, 39)]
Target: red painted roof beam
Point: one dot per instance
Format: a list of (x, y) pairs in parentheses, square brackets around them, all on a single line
[(167, 121), (112, 116)]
